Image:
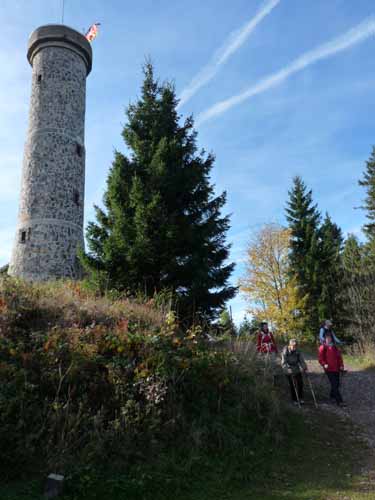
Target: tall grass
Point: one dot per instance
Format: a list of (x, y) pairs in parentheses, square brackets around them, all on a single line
[(88, 380)]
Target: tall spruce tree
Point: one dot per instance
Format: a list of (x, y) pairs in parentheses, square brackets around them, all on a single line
[(331, 245), (162, 228), (358, 293), (368, 182), (304, 220), (352, 255)]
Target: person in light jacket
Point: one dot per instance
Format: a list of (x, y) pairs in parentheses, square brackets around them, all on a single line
[(325, 329)]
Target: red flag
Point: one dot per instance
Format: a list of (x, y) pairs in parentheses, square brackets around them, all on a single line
[(92, 32)]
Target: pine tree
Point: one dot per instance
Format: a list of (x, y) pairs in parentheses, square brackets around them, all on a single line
[(246, 327), (357, 291), (226, 323), (352, 255), (331, 245), (161, 227), (368, 181), (304, 220)]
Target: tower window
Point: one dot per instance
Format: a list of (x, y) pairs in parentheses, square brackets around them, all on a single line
[(79, 150), (39, 79), (76, 197), (22, 236)]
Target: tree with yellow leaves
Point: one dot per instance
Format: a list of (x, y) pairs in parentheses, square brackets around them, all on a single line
[(267, 283)]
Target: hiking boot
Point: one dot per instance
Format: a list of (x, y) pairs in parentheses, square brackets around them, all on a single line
[(342, 404), (295, 403), (302, 401)]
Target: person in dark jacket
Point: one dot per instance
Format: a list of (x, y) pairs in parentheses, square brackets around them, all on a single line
[(331, 360), (293, 364)]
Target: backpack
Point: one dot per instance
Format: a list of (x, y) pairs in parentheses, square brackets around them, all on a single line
[(326, 330)]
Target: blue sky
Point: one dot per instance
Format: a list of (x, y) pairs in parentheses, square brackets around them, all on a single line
[(307, 108)]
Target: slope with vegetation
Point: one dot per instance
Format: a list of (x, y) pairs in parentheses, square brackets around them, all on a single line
[(97, 385), (114, 394)]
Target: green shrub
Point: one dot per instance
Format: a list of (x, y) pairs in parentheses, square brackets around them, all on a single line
[(86, 380)]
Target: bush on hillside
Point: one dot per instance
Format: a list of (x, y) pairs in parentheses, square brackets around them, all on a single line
[(87, 380)]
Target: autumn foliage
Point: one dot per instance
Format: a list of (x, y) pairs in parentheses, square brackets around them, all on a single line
[(271, 290), (94, 380)]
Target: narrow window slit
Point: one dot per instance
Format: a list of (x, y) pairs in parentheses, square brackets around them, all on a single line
[(79, 150), (76, 197)]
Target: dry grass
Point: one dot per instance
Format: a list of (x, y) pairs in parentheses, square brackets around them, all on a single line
[(361, 356), (67, 304)]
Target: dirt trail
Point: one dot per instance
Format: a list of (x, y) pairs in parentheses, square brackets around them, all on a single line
[(358, 391)]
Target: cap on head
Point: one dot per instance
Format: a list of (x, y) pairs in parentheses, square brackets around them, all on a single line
[(328, 323)]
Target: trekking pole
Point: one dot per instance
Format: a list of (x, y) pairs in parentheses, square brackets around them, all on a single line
[(312, 390), (295, 390)]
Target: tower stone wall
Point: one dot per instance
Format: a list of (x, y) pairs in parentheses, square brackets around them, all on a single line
[(51, 207)]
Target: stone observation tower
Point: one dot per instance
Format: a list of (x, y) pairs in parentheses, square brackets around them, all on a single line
[(50, 220)]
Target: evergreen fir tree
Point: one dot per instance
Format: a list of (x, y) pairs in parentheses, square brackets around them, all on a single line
[(352, 255), (357, 291), (368, 181), (331, 244), (247, 327), (161, 227), (226, 323), (304, 219)]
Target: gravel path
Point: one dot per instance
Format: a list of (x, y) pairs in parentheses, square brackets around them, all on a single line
[(358, 391)]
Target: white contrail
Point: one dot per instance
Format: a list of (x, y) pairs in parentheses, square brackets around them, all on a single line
[(355, 35), (235, 40)]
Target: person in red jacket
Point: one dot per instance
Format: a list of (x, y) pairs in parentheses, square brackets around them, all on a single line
[(265, 341), (331, 360)]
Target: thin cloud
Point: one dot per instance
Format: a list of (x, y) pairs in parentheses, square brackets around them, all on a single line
[(235, 40), (352, 37)]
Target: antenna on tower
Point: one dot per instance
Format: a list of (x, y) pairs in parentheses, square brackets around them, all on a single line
[(62, 11)]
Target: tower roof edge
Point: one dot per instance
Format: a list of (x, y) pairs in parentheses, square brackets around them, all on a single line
[(59, 35)]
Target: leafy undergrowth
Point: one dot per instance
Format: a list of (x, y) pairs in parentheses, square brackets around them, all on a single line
[(365, 361), (88, 381), (319, 460), (116, 396)]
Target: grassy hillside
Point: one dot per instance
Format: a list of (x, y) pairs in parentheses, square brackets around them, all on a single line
[(95, 385), (115, 395)]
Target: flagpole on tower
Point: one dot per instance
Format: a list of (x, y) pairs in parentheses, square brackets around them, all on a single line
[(62, 11)]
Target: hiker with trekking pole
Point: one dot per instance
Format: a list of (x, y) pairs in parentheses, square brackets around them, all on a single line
[(293, 365), (331, 360)]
